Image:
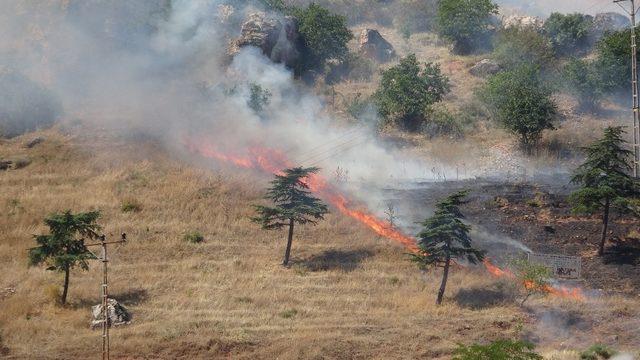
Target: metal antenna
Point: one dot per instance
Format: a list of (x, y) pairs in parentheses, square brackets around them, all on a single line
[(634, 82)]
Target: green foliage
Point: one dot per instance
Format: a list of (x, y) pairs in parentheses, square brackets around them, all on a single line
[(597, 352), (355, 67), (293, 201), (441, 122), (258, 97), (497, 350), (569, 33), (445, 237), (521, 103), (465, 22), (24, 105), (534, 278), (131, 205), (583, 81), (194, 237), (61, 250), (517, 46), (325, 36), (604, 176), (288, 314), (407, 90), (614, 60)]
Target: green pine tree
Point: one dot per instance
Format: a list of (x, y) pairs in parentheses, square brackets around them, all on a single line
[(604, 179), (293, 204), (61, 249), (445, 238)]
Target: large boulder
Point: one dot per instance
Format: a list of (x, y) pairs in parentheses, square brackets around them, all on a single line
[(375, 47), (485, 67), (117, 314), (523, 22), (278, 39)]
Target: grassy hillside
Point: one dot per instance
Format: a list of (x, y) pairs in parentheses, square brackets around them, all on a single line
[(349, 294)]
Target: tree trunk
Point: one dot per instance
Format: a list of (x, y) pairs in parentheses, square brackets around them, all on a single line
[(443, 285), (605, 225), (289, 241), (65, 288)]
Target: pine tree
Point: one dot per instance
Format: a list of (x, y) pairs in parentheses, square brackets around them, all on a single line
[(293, 204), (60, 249), (445, 238), (604, 179)]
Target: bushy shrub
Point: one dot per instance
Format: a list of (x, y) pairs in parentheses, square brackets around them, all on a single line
[(325, 36), (259, 97), (407, 90), (441, 122), (521, 103), (355, 67), (614, 60), (194, 237), (465, 23), (516, 46), (583, 81), (569, 33), (497, 350), (25, 106), (597, 352), (131, 205)]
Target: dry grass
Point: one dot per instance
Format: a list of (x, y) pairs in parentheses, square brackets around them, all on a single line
[(348, 295)]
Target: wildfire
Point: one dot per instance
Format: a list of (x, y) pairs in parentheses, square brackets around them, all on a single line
[(273, 161)]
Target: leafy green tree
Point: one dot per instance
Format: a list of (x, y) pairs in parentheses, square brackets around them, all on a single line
[(521, 103), (61, 249), (407, 90), (534, 278), (497, 350), (293, 204), (582, 80), (444, 238), (569, 33), (465, 22), (325, 36), (259, 97), (597, 352), (614, 60), (516, 46), (604, 179)]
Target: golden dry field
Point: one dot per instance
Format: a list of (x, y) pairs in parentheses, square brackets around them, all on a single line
[(349, 293)]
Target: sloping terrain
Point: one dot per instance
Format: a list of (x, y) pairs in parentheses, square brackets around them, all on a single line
[(348, 294)]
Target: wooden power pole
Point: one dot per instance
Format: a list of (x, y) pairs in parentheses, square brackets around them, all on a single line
[(105, 291), (634, 82)]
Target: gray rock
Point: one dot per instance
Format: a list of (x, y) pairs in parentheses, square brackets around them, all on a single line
[(523, 22), (375, 47), (117, 314), (279, 40), (485, 67)]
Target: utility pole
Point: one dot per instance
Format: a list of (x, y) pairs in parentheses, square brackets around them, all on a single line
[(634, 81), (105, 293)]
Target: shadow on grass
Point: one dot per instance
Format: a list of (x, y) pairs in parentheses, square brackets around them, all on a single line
[(477, 298), (622, 254), (336, 260), (126, 298)]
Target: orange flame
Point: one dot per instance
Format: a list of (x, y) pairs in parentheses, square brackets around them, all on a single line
[(273, 161)]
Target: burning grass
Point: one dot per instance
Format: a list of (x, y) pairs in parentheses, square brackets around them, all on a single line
[(225, 297)]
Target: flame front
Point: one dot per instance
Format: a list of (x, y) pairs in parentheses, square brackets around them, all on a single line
[(273, 161)]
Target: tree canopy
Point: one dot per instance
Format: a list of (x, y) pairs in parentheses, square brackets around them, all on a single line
[(407, 90), (293, 204), (521, 103), (325, 36), (569, 33), (465, 23), (614, 60), (604, 178), (444, 238), (61, 250)]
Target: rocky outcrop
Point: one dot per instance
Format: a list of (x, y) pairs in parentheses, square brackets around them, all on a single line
[(485, 67), (117, 314), (523, 22), (278, 39), (373, 46)]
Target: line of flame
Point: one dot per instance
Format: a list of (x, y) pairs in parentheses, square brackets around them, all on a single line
[(273, 161)]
